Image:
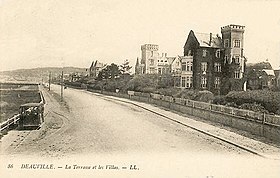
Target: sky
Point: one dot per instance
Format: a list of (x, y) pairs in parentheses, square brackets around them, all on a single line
[(60, 33)]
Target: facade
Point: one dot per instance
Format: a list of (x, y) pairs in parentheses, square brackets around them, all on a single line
[(152, 62), (233, 43), (95, 68), (164, 64), (176, 70), (260, 76), (210, 62), (205, 52), (149, 58), (186, 76), (210, 53)]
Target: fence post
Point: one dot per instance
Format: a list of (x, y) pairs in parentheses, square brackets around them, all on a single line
[(263, 120)]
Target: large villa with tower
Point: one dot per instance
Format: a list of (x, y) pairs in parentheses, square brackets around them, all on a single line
[(208, 60)]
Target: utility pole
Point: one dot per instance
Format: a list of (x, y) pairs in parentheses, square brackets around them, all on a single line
[(50, 81), (61, 86)]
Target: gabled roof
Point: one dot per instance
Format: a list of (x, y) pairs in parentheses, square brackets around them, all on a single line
[(170, 59), (269, 72), (208, 40), (92, 64), (98, 64)]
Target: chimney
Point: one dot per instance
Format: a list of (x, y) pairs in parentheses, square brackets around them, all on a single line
[(210, 39)]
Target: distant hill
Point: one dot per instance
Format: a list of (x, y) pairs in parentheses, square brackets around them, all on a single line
[(38, 74)]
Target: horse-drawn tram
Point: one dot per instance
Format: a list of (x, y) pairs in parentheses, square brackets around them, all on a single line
[(31, 115)]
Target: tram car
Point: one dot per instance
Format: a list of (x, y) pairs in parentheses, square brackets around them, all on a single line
[(31, 115)]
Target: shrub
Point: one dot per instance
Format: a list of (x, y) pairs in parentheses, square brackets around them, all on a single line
[(220, 99), (168, 91), (254, 107), (204, 96), (268, 99)]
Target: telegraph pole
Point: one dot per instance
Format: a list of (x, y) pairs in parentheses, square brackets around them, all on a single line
[(61, 86), (50, 81)]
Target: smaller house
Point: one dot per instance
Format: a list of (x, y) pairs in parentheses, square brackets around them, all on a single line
[(164, 64), (95, 68), (260, 76)]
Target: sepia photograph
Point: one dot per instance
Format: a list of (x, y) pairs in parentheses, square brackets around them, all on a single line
[(140, 88)]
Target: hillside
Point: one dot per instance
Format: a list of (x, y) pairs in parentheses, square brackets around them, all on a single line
[(37, 74)]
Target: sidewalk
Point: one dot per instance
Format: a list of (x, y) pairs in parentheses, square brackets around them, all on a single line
[(251, 145)]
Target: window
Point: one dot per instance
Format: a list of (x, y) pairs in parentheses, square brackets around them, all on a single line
[(237, 43), (152, 62), (218, 53), (217, 67), (204, 66), (217, 82), (163, 70), (204, 53), (236, 59), (183, 82), (226, 43), (188, 81), (188, 66), (226, 58), (183, 66), (203, 82), (159, 70), (191, 66), (189, 52), (236, 74)]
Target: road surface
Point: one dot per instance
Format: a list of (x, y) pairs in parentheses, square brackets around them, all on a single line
[(93, 127), (88, 123)]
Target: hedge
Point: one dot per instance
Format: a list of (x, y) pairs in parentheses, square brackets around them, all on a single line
[(270, 100)]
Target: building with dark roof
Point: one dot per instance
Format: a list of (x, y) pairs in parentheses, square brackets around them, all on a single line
[(216, 58)]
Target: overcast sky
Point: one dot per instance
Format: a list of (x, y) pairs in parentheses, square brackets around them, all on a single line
[(41, 33)]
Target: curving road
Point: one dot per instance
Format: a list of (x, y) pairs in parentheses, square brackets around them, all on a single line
[(88, 129), (87, 123)]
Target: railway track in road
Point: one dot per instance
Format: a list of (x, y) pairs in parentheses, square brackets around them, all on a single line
[(225, 140)]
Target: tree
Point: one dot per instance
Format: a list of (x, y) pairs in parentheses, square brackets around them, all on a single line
[(125, 68), (109, 72), (165, 81)]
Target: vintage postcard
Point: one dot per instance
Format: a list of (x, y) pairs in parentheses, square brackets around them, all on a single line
[(139, 88)]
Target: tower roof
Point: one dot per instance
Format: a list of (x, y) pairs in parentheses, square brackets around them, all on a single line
[(232, 27)]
